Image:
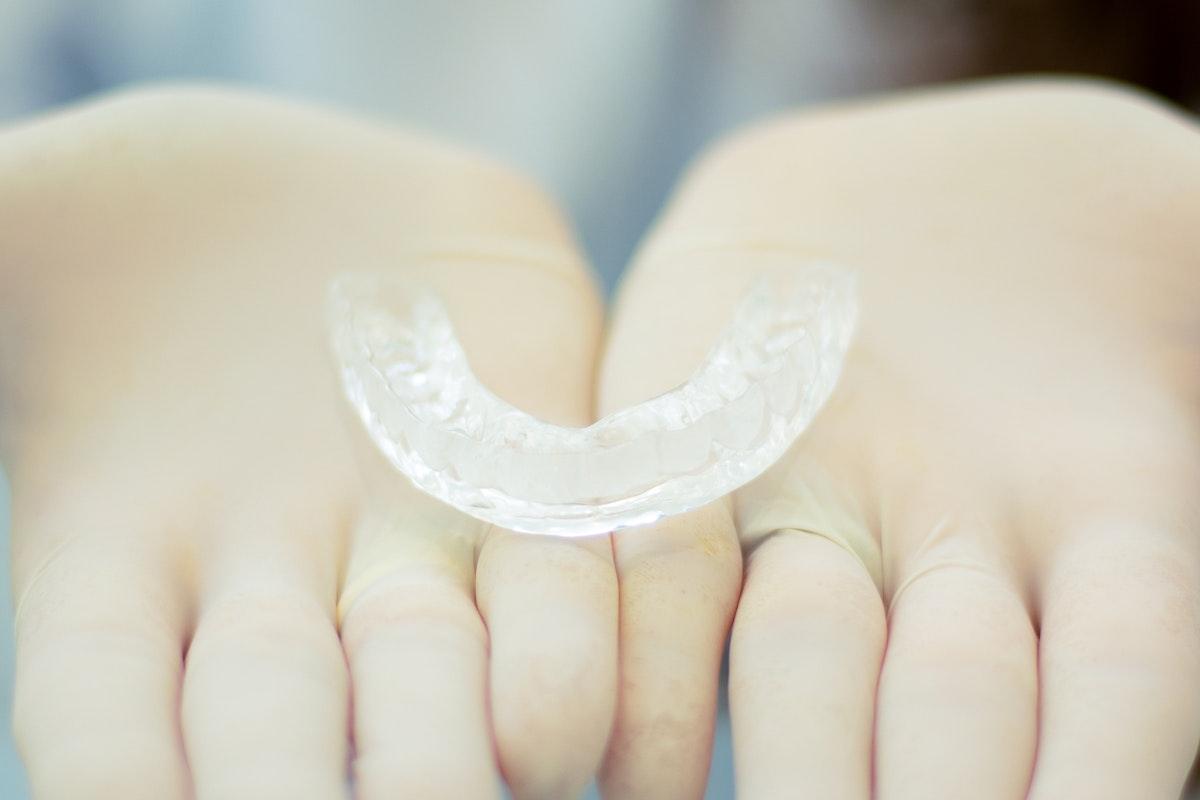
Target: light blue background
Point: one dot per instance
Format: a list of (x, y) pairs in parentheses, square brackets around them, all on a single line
[(12, 777)]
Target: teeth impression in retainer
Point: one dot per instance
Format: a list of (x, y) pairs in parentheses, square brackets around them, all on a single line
[(760, 385)]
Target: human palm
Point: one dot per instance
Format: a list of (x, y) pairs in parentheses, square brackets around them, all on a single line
[(979, 565), (194, 528), (977, 574)]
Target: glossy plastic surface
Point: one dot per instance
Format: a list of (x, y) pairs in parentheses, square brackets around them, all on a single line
[(760, 385)]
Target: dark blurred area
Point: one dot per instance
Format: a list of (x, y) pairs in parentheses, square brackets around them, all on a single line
[(1152, 43)]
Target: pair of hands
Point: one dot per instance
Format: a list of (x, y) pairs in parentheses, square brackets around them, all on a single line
[(977, 575)]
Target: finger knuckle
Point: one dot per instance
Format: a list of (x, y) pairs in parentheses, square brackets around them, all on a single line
[(692, 552), (262, 618), (411, 611)]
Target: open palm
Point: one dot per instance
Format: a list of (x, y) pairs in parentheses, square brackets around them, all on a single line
[(978, 575), (216, 595)]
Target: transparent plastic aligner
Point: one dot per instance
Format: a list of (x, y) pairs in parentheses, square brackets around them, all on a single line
[(760, 385)]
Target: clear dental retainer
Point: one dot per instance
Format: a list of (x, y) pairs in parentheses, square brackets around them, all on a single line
[(759, 387)]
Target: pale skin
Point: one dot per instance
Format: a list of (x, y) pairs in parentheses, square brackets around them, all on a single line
[(184, 479), (1012, 451), (984, 582)]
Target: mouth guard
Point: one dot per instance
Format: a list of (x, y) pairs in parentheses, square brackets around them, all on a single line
[(758, 388)]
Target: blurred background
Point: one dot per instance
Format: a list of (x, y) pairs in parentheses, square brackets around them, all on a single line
[(603, 102)]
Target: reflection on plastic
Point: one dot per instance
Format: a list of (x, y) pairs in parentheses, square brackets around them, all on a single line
[(758, 388)]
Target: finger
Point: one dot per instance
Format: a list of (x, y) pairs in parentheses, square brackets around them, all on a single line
[(679, 582), (265, 693), (956, 712), (679, 579), (99, 643), (550, 606), (1120, 668), (528, 317), (417, 650), (807, 643)]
